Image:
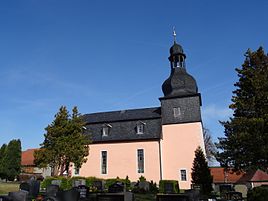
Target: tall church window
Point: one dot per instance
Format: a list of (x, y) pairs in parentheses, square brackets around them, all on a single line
[(140, 154), (183, 175), (104, 162)]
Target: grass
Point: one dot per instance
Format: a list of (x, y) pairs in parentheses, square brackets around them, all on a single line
[(8, 187)]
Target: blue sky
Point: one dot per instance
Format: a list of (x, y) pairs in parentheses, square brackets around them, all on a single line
[(112, 55)]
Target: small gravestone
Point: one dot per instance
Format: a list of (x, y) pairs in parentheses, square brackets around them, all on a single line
[(83, 191), (52, 190), (168, 188), (110, 197), (117, 187), (56, 182), (145, 185), (98, 185), (18, 195), (25, 186), (69, 195), (34, 187), (194, 195), (79, 182)]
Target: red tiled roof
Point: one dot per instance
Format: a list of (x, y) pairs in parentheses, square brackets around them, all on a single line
[(254, 176), (218, 175), (27, 157)]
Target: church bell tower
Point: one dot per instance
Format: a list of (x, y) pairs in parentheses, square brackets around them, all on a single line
[(182, 130)]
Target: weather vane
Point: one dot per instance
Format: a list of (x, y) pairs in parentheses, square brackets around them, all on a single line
[(174, 33)]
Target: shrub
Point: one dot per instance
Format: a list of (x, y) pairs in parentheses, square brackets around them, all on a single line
[(258, 194), (174, 183)]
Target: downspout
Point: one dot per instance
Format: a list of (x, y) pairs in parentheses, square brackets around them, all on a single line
[(160, 160)]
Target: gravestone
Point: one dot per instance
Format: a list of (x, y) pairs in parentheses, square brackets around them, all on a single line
[(52, 190), (117, 187), (34, 187), (145, 185), (193, 194), (18, 195), (56, 182), (25, 186), (168, 188), (83, 191), (98, 185), (69, 195), (5, 198), (79, 182)]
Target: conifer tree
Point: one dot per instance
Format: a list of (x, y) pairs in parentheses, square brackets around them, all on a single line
[(200, 172), (245, 145), (64, 143), (11, 162), (2, 155)]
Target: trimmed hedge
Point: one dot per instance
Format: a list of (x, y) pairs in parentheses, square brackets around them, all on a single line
[(174, 183)]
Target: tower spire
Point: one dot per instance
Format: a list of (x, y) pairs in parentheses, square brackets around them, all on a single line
[(174, 34)]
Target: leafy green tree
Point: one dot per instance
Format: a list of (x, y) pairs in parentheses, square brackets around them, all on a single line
[(200, 172), (2, 155), (11, 162), (64, 143), (245, 145)]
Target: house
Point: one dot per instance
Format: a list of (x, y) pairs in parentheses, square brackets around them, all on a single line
[(28, 168), (158, 142), (238, 181)]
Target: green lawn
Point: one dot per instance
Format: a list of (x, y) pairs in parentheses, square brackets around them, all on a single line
[(8, 187)]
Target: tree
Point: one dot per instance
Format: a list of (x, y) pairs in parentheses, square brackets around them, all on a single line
[(64, 143), (245, 145), (200, 172), (11, 162), (2, 155), (210, 147)]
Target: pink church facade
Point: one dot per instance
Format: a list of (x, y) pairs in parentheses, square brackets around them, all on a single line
[(157, 143)]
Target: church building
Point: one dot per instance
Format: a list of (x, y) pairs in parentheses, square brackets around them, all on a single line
[(157, 143)]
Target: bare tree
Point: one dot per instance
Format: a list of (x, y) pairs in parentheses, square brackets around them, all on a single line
[(210, 147)]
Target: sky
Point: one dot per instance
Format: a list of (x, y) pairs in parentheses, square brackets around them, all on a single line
[(113, 55)]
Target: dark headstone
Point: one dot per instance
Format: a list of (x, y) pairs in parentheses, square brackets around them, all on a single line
[(5, 198), (117, 187), (145, 185), (69, 195), (34, 187), (168, 188), (83, 191), (18, 195), (25, 186), (52, 190), (50, 198), (98, 185), (194, 195)]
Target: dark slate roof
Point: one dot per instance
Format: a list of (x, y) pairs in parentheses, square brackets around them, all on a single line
[(123, 125), (123, 115)]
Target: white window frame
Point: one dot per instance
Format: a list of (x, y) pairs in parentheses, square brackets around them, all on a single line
[(137, 152), (176, 112), (181, 175), (140, 127), (101, 162), (106, 130)]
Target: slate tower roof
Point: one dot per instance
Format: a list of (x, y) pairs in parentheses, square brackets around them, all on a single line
[(179, 83)]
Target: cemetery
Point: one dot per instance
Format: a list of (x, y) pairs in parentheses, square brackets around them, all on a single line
[(95, 189)]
